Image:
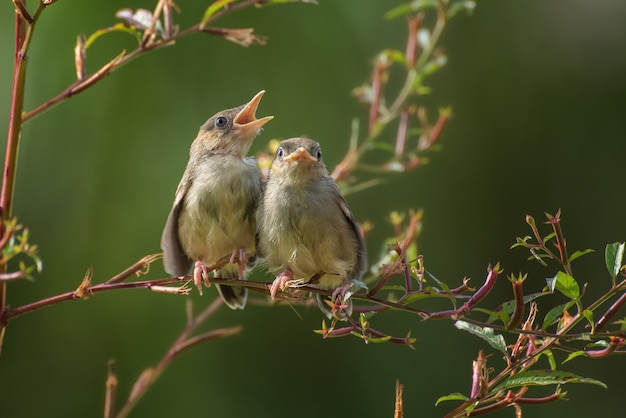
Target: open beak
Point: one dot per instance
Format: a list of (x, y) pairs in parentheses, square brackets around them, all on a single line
[(301, 154), (246, 121)]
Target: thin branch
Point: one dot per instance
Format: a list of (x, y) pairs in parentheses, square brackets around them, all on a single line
[(182, 343), (147, 44), (111, 390), (141, 267)]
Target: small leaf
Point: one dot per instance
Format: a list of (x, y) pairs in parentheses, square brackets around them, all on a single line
[(500, 315), (538, 257), (415, 296), (554, 314), (461, 6), (435, 64), (579, 254), (509, 306), (551, 360), (614, 257), (573, 355), (495, 340), (521, 242), (549, 237), (588, 314), (565, 284), (375, 340), (118, 27), (544, 378), (414, 6), (452, 397), (395, 56), (212, 9)]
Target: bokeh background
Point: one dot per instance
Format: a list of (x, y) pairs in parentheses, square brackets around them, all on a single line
[(539, 98)]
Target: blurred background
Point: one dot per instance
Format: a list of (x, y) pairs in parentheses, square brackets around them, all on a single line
[(538, 94)]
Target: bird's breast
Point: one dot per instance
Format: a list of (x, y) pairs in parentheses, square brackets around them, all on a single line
[(217, 216)]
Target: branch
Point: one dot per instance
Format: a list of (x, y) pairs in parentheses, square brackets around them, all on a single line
[(184, 342)]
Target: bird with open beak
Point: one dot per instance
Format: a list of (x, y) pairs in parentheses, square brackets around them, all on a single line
[(306, 232), (214, 207)]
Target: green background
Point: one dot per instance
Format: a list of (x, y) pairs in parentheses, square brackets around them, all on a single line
[(538, 91)]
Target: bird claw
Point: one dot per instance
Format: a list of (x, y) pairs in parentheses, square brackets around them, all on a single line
[(239, 256), (339, 294), (282, 282), (341, 305), (200, 275)]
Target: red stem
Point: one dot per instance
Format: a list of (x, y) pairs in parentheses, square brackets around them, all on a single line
[(518, 313), (615, 307), (480, 294)]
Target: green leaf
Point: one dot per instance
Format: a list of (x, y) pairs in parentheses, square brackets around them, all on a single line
[(509, 306), (461, 6), (495, 340), (452, 397), (538, 257), (435, 64), (551, 360), (415, 296), (554, 314), (565, 284), (549, 237), (521, 242), (118, 27), (614, 256), (408, 8), (573, 355), (544, 378), (588, 314), (395, 56), (212, 9), (579, 254), (500, 315), (375, 340)]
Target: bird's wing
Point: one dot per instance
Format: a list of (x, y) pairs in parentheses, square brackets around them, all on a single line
[(175, 260), (361, 266)]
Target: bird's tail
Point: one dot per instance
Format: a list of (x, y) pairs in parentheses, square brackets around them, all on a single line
[(234, 296)]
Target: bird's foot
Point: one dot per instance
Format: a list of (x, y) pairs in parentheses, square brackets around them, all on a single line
[(239, 256), (340, 300), (283, 282), (200, 275)]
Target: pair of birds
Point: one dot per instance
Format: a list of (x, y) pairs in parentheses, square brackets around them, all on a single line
[(297, 221)]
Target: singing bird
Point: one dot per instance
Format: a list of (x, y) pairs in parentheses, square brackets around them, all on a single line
[(306, 232), (213, 215)]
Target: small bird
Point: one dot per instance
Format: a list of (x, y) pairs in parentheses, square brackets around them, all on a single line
[(306, 232), (213, 215)]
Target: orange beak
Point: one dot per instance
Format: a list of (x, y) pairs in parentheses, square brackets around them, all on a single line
[(301, 154), (246, 121)]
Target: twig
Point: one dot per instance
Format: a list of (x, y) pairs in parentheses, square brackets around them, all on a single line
[(111, 390), (143, 263), (124, 58), (182, 343)]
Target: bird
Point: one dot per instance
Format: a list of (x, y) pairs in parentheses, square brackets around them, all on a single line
[(213, 215), (306, 233)]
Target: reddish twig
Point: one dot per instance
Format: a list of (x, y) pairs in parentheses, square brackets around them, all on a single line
[(183, 342)]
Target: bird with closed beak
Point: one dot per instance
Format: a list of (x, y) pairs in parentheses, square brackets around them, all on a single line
[(306, 232), (213, 215)]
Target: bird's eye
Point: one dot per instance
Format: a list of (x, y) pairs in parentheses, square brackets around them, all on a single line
[(319, 154), (280, 153), (221, 122)]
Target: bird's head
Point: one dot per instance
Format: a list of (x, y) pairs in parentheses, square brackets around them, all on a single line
[(298, 158), (231, 131)]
